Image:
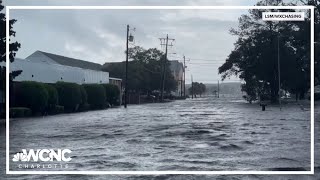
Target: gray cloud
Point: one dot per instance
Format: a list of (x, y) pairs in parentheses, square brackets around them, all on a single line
[(99, 35)]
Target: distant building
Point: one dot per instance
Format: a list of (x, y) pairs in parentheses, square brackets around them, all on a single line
[(177, 71)]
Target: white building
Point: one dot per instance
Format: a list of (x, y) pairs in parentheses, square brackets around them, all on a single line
[(50, 68)]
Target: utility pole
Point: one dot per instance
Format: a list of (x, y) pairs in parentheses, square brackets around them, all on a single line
[(184, 76), (279, 71), (192, 86), (129, 38), (126, 82), (218, 88), (164, 63)]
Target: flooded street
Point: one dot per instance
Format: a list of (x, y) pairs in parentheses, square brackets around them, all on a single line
[(190, 135), (202, 134)]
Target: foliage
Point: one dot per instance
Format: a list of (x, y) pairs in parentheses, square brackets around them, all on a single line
[(84, 96), (255, 56), (32, 95), (96, 95), (144, 71), (17, 112), (84, 107), (197, 88), (69, 95), (56, 110), (14, 46), (112, 93), (53, 98), (316, 3)]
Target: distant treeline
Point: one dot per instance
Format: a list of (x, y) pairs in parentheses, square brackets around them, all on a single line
[(232, 88)]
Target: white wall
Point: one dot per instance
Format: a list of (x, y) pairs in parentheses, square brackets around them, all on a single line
[(50, 73)]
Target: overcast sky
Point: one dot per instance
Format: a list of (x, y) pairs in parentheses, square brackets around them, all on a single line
[(99, 35)]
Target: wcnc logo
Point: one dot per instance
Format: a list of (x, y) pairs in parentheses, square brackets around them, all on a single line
[(42, 155)]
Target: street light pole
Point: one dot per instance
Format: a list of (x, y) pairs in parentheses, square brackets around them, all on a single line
[(126, 81)]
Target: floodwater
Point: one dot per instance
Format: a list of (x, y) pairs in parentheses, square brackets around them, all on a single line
[(204, 134)]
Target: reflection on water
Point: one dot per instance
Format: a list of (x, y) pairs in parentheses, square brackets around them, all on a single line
[(201, 134)]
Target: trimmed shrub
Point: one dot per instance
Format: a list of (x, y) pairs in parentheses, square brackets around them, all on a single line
[(112, 93), (84, 107), (53, 98), (96, 95), (69, 95), (32, 95), (316, 96), (2, 111), (17, 112), (84, 96), (56, 110)]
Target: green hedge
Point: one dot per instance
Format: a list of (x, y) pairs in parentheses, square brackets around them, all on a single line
[(56, 110), (96, 95), (84, 107), (84, 96), (32, 95), (17, 112), (69, 95), (113, 93), (53, 98), (61, 97)]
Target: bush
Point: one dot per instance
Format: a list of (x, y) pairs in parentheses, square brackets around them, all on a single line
[(84, 107), (53, 98), (84, 96), (17, 112), (69, 95), (32, 95), (96, 95), (56, 110), (112, 93), (2, 111)]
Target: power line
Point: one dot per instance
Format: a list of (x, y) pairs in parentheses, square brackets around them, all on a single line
[(199, 59), (192, 62)]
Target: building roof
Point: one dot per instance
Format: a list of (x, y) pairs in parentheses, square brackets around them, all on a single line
[(67, 61)]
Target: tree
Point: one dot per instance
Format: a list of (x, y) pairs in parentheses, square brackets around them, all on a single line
[(255, 56), (144, 71), (13, 47), (197, 89), (316, 3)]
